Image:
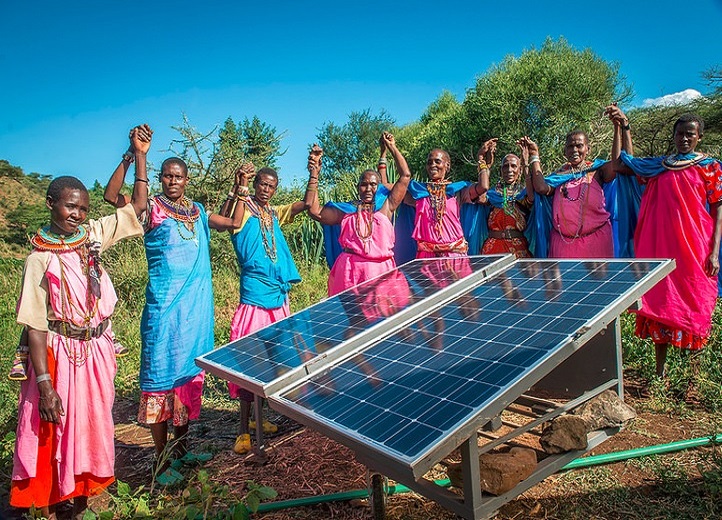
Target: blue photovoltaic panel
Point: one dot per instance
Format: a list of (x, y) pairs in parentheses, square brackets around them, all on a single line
[(266, 355), (409, 391)]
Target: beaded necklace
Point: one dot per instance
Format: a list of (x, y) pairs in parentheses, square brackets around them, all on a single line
[(365, 214), (508, 196), (185, 213), (265, 216), (567, 169), (582, 197), (673, 162), (437, 198), (46, 240)]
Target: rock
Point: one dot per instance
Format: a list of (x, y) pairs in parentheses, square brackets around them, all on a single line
[(565, 433), (499, 472), (605, 411)]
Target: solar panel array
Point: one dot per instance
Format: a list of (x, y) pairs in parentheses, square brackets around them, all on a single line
[(268, 355), (414, 388)]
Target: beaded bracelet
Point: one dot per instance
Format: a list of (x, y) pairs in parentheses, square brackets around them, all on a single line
[(243, 190), (42, 377), (382, 160), (481, 165)]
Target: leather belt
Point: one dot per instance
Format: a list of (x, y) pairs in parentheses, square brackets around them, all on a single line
[(506, 234), (72, 331)]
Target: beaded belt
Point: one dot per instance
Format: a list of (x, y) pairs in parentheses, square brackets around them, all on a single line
[(72, 331), (459, 246), (507, 234)]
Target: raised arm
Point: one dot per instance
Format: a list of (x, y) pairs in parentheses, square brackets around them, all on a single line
[(528, 184), (231, 215), (326, 215), (314, 170), (540, 184), (484, 159), (112, 192), (381, 167), (398, 190), (620, 139), (140, 141)]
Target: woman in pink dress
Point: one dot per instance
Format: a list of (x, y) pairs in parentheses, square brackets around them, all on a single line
[(675, 222), (580, 226), (367, 234), (437, 203), (65, 436)]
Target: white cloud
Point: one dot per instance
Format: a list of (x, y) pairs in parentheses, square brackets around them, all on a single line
[(678, 98)]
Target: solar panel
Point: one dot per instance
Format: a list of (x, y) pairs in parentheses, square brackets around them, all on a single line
[(267, 359), (413, 392)]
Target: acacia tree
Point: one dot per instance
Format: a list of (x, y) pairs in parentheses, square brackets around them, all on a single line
[(213, 157)]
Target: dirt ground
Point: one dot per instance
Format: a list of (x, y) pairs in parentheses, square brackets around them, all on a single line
[(301, 463)]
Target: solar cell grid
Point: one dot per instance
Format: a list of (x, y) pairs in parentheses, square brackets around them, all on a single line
[(267, 355), (440, 371)]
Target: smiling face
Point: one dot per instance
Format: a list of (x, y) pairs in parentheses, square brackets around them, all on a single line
[(510, 167), (576, 149), (686, 136), (437, 165), (173, 179), (265, 186), (367, 186), (68, 211)]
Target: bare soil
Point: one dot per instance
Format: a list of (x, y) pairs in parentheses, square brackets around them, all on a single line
[(300, 462)]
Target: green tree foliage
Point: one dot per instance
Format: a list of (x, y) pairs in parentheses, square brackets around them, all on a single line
[(353, 146), (652, 126), (544, 93)]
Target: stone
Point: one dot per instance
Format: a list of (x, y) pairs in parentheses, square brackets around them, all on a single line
[(499, 472), (565, 433), (607, 410)]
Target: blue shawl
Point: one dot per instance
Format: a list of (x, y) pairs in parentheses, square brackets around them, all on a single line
[(264, 283), (177, 322)]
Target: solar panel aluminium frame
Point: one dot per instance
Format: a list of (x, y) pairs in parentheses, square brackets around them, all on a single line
[(358, 342), (394, 464)]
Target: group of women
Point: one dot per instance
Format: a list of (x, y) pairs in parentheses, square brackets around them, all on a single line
[(65, 429)]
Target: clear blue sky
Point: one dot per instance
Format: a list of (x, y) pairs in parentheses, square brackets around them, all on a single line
[(78, 74)]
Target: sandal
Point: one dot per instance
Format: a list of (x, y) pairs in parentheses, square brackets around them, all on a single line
[(268, 426), (243, 443), (19, 370), (120, 349)]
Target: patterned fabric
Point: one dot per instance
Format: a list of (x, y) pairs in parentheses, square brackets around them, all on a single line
[(665, 335), (181, 403), (500, 220)]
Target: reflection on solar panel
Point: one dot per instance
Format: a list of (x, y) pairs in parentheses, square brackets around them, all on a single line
[(410, 395), (265, 360)]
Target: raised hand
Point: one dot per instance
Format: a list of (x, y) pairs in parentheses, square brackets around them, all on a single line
[(314, 160), (388, 140), (615, 115), (524, 147), (530, 145), (140, 138), (244, 174), (487, 151)]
